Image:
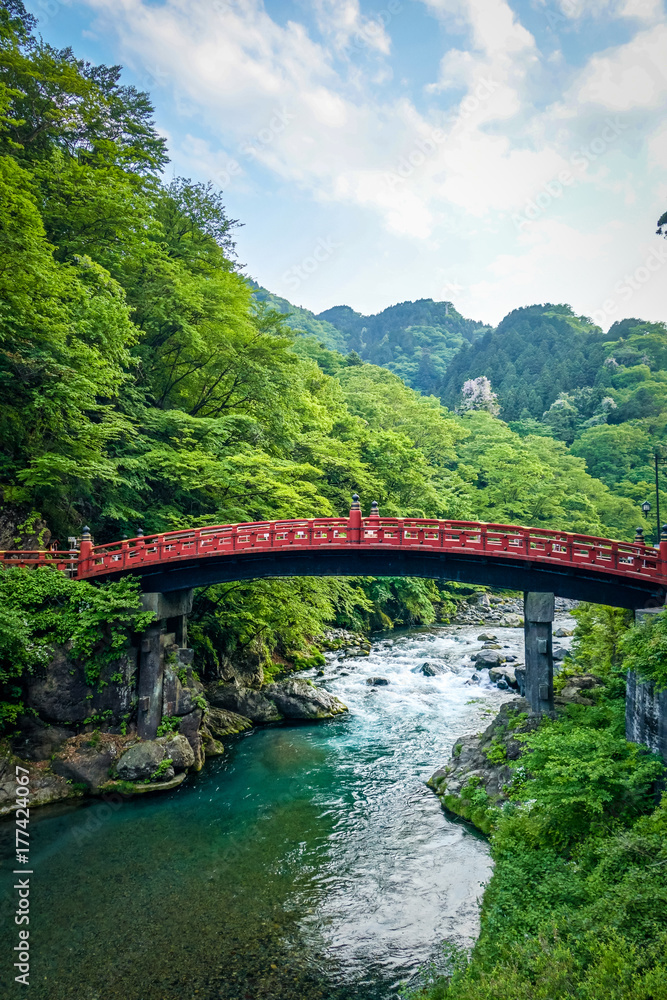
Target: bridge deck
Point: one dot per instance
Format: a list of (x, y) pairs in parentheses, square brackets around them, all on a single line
[(367, 540)]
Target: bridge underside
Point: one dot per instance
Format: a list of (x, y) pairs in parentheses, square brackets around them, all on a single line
[(579, 583)]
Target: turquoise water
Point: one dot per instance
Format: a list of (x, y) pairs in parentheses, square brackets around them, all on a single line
[(309, 862)]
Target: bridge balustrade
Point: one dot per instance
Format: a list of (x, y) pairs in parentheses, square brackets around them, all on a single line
[(535, 545)]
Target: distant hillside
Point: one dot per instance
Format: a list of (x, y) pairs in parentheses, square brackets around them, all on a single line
[(416, 340), (533, 356), (304, 320)]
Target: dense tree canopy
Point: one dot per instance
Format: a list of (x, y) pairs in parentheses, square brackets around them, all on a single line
[(146, 382)]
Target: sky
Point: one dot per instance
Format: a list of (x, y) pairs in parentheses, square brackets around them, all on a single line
[(490, 153)]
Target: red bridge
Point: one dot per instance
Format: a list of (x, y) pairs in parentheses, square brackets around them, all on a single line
[(623, 574)]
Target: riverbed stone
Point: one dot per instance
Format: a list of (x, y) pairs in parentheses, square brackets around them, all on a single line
[(220, 722), (488, 658), (430, 669), (503, 673), (297, 699), (140, 761), (377, 681), (254, 705), (487, 637), (178, 749), (470, 766)]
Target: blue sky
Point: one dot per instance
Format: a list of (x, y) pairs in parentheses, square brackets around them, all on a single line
[(487, 152)]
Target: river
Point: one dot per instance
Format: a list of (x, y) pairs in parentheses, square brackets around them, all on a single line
[(310, 862)]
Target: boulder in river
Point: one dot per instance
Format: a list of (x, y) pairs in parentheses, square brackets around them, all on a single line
[(504, 674), (560, 652), (140, 761), (254, 705), (298, 699), (487, 637), (377, 681), (561, 633), (178, 750), (431, 669), (488, 658)]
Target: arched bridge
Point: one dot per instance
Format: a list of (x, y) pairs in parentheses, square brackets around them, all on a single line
[(541, 562), (622, 574)]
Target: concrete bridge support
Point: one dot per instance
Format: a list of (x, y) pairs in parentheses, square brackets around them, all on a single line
[(538, 616), (171, 611)]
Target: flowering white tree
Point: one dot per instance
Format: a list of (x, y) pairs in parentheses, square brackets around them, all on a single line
[(477, 394)]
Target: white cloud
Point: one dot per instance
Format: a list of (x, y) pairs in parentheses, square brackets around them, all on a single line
[(342, 21), (261, 93), (630, 76), (642, 10)]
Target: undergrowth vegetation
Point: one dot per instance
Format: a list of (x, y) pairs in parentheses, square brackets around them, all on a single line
[(577, 904)]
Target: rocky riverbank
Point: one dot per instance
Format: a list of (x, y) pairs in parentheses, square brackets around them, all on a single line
[(106, 756), (476, 782)]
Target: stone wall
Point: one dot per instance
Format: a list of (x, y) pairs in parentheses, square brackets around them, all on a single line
[(646, 715)]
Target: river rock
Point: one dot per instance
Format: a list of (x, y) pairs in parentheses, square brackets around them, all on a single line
[(559, 652), (520, 674), (220, 722), (488, 658), (561, 633), (87, 763), (487, 637), (190, 727), (140, 761), (469, 761), (297, 699), (502, 673), (177, 748), (431, 670), (45, 786), (254, 705), (377, 681)]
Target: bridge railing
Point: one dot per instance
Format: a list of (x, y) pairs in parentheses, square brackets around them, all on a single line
[(65, 561), (493, 540)]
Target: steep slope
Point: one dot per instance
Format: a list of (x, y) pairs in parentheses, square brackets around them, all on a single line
[(303, 320), (416, 340), (533, 356)]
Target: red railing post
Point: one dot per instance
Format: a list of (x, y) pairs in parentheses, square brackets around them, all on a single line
[(663, 551), (354, 520), (85, 552)]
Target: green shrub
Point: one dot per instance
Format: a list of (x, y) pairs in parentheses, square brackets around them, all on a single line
[(42, 608)]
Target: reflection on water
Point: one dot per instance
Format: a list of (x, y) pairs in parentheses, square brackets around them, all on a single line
[(308, 862)]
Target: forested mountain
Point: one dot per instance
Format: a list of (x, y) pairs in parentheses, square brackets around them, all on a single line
[(532, 356), (143, 386), (416, 340), (302, 320), (554, 373)]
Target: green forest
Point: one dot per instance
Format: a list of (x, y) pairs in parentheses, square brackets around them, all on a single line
[(148, 383)]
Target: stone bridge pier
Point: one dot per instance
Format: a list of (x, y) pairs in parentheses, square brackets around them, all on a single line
[(538, 616), (171, 611)]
